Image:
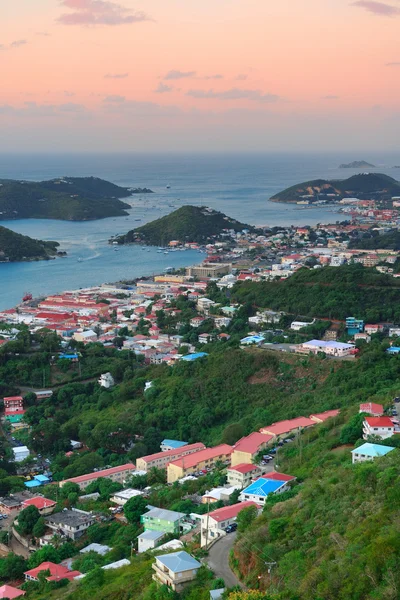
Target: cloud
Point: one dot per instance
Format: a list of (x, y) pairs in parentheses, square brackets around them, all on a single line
[(99, 12), (143, 109), (214, 76), (32, 109), (174, 74), (18, 43), (330, 97), (115, 98), (68, 94), (235, 94), (116, 75), (163, 88), (43, 33), (241, 77), (378, 8), (393, 64)]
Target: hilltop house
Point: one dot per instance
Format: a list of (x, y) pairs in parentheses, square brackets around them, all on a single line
[(161, 519), (369, 452), (175, 570), (213, 524), (71, 523), (259, 490), (381, 426), (375, 410)]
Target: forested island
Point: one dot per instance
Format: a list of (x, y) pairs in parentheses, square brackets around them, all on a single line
[(375, 186), (15, 247), (357, 164), (64, 198), (186, 224)]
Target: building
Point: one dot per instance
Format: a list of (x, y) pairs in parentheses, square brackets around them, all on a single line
[(10, 592), (7, 505), (375, 410), (259, 490), (219, 493), (160, 519), (171, 445), (14, 403), (381, 426), (205, 459), (362, 337), (217, 594), (175, 570), (394, 331), (43, 394), (213, 524), (354, 325), (118, 474), (57, 572), (20, 453), (278, 476), (283, 428), (44, 506), (242, 474), (322, 417), (148, 540), (298, 325), (160, 460), (371, 328), (122, 497), (209, 270), (337, 349), (369, 452), (37, 481), (106, 381), (71, 523), (247, 448), (252, 340), (100, 549), (193, 357)]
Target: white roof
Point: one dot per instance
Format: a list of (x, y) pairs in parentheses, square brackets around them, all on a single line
[(127, 494), (99, 548), (21, 449), (323, 344), (116, 565), (151, 535), (171, 545)]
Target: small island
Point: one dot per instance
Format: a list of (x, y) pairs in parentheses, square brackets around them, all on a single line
[(15, 247), (64, 198), (357, 164), (365, 186), (186, 224)]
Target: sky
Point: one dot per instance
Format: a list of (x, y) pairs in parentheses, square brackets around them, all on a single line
[(199, 75)]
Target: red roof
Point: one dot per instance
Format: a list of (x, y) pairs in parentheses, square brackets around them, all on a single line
[(252, 443), (372, 408), (192, 460), (104, 473), (230, 512), (379, 421), (278, 476), (176, 452), (243, 468), (287, 426), (10, 592), (325, 415), (13, 399), (39, 502), (57, 572)]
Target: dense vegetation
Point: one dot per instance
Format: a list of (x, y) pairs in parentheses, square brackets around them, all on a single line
[(336, 536), (68, 198), (17, 247), (357, 185), (333, 293), (186, 224), (371, 240)]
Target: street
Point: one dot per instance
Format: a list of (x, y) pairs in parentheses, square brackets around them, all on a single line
[(218, 560)]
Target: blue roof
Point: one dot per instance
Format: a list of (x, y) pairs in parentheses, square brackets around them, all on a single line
[(179, 561), (373, 450), (252, 339), (191, 357), (263, 487), (68, 356), (33, 483), (174, 443), (42, 478), (393, 350)]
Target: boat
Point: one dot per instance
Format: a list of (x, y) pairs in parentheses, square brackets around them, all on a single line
[(79, 259), (149, 250), (116, 249), (168, 187), (137, 219), (166, 252), (159, 251), (26, 297)]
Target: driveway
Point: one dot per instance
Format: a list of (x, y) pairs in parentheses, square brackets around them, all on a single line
[(218, 560)]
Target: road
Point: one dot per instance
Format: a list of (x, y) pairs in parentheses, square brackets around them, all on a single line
[(218, 560)]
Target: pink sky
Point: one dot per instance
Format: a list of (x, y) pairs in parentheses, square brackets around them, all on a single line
[(199, 74)]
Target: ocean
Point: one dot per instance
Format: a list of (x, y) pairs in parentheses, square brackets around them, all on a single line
[(239, 185)]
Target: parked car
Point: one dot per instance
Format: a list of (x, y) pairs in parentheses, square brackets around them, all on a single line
[(232, 527)]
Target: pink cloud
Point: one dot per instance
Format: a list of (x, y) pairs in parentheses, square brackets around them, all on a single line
[(99, 12), (378, 8)]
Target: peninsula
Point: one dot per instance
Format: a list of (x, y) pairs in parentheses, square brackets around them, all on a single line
[(186, 224), (15, 247), (64, 198), (370, 186), (357, 164)]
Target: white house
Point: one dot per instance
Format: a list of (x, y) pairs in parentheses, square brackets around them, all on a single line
[(213, 524), (150, 539), (260, 489), (330, 348), (106, 380), (20, 453), (369, 452), (297, 325), (381, 426), (175, 569), (122, 497)]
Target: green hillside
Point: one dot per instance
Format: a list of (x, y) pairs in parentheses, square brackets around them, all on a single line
[(372, 241), (186, 224), (66, 198), (377, 184), (16, 247)]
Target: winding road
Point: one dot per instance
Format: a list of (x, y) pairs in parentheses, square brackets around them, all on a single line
[(218, 560)]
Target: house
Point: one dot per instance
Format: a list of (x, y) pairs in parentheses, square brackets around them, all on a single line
[(100, 549), (71, 523), (20, 453), (175, 570), (171, 445), (394, 331), (259, 490), (247, 448), (37, 481), (204, 338), (217, 594), (44, 506), (57, 572), (362, 337), (193, 357), (43, 394), (298, 325), (219, 493), (213, 524), (122, 497), (283, 428), (204, 459), (85, 336), (106, 381), (369, 452), (7, 505), (118, 474), (381, 426), (370, 329), (14, 403), (242, 474), (160, 460), (160, 519), (252, 340), (354, 325), (10, 592), (322, 417), (196, 321), (148, 540), (124, 562), (375, 410), (278, 476), (337, 349)]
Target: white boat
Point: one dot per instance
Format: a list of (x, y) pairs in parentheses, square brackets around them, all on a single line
[(79, 259), (166, 252)]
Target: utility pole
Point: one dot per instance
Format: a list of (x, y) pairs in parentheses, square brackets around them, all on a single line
[(208, 518), (270, 565)]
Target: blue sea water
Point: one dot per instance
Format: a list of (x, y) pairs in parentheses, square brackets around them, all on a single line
[(239, 185)]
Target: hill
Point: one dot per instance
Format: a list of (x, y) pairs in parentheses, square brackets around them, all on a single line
[(15, 247), (357, 164), (186, 224), (362, 185), (66, 198), (372, 241)]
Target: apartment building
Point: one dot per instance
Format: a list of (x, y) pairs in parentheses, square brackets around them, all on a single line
[(118, 474), (381, 426), (160, 460), (187, 465), (247, 448)]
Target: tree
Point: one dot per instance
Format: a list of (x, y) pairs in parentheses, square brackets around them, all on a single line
[(134, 508), (12, 567), (39, 528), (27, 519), (232, 433), (246, 517), (352, 431)]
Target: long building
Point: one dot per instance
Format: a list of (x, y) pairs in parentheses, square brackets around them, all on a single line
[(160, 460), (198, 461), (118, 474)]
